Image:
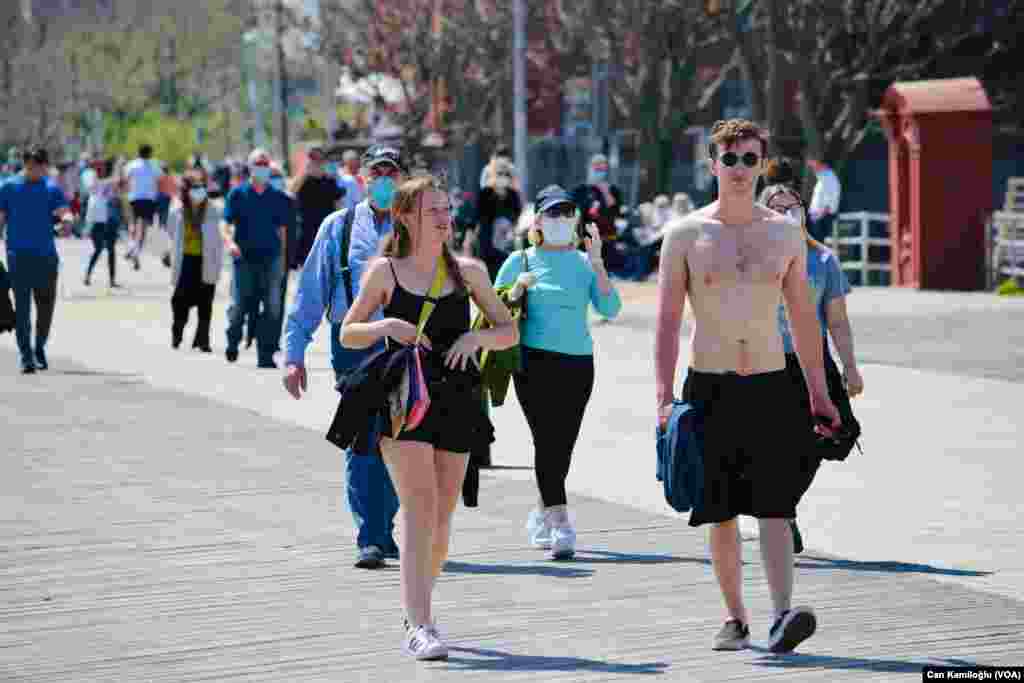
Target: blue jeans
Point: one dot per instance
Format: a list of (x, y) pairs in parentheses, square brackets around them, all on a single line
[(371, 496), (33, 276), (255, 283)]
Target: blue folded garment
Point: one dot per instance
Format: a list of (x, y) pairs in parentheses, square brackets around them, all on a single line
[(680, 449)]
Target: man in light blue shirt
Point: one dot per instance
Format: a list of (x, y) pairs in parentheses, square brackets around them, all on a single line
[(322, 290), (350, 181)]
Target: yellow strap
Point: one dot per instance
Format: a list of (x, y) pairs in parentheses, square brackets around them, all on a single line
[(440, 275)]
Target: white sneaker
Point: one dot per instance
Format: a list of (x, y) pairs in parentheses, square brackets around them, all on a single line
[(538, 530), (424, 643), (563, 543)]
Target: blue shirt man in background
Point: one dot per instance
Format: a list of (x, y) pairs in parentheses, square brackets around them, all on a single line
[(28, 205), (321, 291), (350, 181), (255, 229)]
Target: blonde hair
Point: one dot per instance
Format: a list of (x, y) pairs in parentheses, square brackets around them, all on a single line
[(534, 235), (407, 199), (494, 167)]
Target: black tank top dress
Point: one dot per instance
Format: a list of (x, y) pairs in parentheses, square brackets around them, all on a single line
[(456, 420)]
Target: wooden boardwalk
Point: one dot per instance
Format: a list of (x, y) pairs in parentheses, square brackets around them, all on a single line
[(148, 535)]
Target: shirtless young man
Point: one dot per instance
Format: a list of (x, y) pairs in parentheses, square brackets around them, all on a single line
[(735, 258)]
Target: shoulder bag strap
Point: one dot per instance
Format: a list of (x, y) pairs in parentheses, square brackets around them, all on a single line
[(430, 302), (525, 298), (346, 239)]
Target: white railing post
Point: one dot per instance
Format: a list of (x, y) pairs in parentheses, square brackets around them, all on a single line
[(864, 240)]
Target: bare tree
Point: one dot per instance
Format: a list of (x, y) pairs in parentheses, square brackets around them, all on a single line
[(124, 56), (844, 54), (451, 59), (653, 46)]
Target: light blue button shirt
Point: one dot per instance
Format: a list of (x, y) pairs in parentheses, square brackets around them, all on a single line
[(353, 190), (321, 288)]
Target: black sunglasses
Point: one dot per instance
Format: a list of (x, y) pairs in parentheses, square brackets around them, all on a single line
[(563, 210), (750, 160)]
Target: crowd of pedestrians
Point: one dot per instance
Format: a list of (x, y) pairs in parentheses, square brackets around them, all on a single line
[(393, 260)]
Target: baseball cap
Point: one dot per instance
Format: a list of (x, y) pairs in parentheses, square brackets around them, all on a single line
[(551, 196), (36, 154), (383, 154)]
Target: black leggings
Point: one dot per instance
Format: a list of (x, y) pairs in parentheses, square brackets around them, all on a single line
[(104, 236), (554, 389)]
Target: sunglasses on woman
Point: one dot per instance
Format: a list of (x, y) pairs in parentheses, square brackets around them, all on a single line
[(561, 211), (750, 160)]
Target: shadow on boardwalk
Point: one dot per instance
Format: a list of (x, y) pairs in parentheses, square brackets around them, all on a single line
[(497, 660)]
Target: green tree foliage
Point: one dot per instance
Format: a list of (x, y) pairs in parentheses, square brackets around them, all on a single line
[(173, 139)]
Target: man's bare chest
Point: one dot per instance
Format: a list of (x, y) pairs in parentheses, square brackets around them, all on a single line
[(728, 257)]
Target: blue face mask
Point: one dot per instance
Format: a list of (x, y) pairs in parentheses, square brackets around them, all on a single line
[(260, 174), (598, 176), (331, 169), (382, 192), (277, 183)]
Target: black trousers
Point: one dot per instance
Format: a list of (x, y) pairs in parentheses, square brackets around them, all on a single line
[(33, 277), (192, 291), (554, 389)]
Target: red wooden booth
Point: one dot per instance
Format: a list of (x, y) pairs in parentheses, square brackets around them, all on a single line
[(940, 181)]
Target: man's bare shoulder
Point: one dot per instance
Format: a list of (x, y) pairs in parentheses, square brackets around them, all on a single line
[(687, 228)]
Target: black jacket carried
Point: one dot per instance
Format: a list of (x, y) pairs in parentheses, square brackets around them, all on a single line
[(364, 398)]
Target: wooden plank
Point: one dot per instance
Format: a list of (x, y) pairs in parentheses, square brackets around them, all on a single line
[(153, 536)]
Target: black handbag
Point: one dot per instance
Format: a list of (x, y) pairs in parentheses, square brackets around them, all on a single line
[(838, 446)]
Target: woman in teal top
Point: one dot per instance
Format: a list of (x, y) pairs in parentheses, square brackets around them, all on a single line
[(557, 375)]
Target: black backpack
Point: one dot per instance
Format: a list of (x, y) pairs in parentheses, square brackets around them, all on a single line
[(346, 271)]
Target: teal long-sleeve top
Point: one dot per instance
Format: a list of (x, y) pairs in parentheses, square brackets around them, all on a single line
[(557, 306)]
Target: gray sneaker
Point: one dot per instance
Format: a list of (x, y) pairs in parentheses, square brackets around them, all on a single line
[(735, 635), (792, 628), (370, 557)]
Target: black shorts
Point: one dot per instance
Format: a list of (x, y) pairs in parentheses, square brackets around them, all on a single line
[(144, 209), (759, 456), (456, 420)]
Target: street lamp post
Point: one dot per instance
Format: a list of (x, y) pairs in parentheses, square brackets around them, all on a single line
[(519, 95)]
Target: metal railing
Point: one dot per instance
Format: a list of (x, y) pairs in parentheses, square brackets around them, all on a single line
[(1006, 252), (862, 247)]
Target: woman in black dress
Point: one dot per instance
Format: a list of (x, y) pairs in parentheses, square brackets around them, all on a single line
[(427, 464)]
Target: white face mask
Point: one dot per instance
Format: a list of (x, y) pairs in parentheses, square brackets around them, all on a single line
[(197, 195), (558, 232), (796, 214)]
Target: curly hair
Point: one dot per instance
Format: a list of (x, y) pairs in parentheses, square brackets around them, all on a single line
[(729, 132)]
